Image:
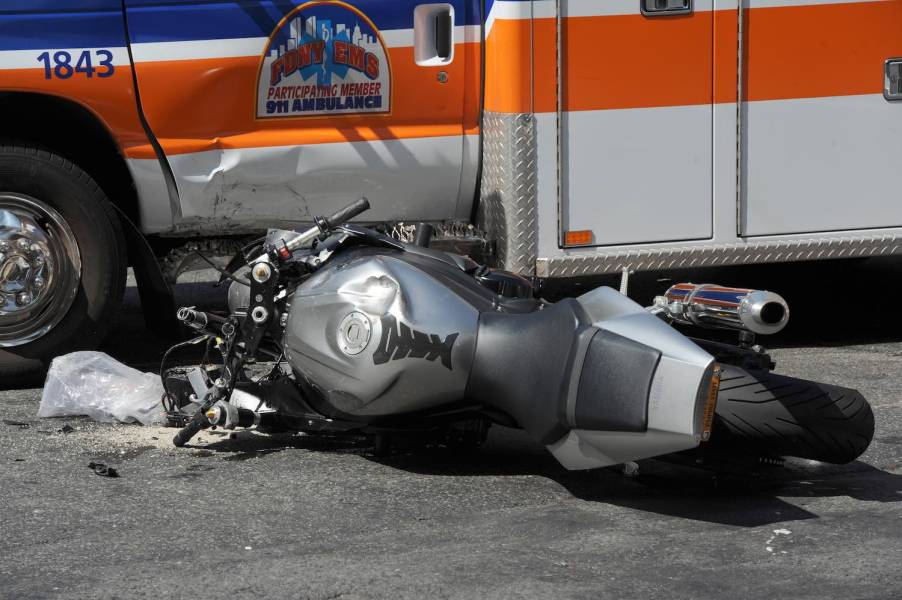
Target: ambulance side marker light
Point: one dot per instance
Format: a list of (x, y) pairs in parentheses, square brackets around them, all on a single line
[(578, 237)]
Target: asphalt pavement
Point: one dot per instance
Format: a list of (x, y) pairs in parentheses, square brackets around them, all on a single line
[(302, 517)]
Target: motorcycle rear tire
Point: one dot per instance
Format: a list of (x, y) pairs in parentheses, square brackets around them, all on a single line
[(776, 415)]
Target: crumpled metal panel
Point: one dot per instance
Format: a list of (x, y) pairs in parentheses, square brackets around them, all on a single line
[(508, 206), (820, 248)]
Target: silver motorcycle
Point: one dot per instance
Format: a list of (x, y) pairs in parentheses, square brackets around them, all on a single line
[(343, 329)]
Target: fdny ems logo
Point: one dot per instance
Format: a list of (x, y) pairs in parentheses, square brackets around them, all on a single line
[(324, 58)]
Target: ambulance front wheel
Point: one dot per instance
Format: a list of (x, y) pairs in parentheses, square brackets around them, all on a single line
[(62, 261)]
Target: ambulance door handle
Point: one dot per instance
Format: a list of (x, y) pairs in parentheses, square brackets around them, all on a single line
[(892, 79), (665, 8), (444, 31), (433, 32)]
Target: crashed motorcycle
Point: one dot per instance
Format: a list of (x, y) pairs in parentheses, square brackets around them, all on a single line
[(341, 329)]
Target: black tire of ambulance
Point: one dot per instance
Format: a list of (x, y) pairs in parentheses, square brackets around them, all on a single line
[(775, 415), (58, 183)]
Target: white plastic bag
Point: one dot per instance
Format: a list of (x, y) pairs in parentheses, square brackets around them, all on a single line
[(96, 385)]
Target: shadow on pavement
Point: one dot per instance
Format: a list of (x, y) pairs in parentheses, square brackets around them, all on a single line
[(247, 445), (660, 487), (134, 344), (832, 303), (131, 342), (664, 489)]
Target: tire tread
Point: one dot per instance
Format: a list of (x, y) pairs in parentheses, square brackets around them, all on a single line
[(786, 416)]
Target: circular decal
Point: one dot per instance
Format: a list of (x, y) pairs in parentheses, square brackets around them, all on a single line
[(324, 58)]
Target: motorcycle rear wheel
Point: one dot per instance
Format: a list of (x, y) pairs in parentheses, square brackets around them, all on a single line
[(776, 415)]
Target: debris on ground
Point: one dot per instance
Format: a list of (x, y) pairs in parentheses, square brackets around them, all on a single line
[(101, 469), (100, 387), (631, 469), (769, 545)]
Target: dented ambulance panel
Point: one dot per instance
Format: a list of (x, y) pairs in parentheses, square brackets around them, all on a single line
[(275, 112)]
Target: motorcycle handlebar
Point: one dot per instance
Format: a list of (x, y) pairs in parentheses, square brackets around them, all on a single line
[(325, 224), (347, 213)]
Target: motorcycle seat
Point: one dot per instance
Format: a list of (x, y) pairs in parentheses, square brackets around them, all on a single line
[(551, 370)]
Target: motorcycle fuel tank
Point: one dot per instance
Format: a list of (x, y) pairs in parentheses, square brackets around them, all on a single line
[(376, 334)]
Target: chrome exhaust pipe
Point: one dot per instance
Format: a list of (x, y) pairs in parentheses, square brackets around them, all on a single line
[(718, 307)]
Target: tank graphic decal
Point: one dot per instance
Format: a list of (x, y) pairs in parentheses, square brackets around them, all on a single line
[(324, 58), (400, 341)]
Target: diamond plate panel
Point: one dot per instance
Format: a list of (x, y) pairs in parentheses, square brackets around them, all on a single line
[(507, 208), (821, 248)]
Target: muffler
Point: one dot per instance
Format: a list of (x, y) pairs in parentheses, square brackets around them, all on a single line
[(718, 307)]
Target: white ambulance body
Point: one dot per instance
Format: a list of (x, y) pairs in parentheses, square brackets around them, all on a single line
[(637, 154)]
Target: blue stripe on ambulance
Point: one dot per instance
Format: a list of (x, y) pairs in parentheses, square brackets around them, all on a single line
[(56, 6), (90, 24), (177, 20)]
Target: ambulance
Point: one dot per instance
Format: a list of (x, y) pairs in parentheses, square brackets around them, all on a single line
[(568, 137)]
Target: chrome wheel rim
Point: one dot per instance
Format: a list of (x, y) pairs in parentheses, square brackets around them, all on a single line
[(40, 269)]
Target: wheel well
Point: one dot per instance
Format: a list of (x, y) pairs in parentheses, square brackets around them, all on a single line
[(70, 130)]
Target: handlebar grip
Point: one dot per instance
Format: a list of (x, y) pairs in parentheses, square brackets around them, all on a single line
[(197, 423), (323, 227), (348, 212)]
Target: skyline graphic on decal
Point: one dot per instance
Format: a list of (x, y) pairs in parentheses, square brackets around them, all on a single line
[(324, 59), (309, 31)]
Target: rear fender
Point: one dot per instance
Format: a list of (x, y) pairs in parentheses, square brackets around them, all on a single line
[(632, 357)]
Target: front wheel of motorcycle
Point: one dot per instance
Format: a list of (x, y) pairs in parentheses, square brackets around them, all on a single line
[(775, 415)]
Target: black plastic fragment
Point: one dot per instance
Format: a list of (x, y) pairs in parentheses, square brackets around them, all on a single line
[(101, 469)]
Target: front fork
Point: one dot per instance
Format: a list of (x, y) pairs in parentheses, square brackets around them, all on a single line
[(241, 347)]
